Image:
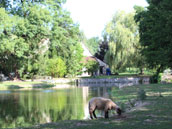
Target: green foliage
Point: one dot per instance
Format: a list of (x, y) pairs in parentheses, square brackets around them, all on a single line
[(93, 44), (65, 42), (56, 67), (11, 52), (74, 65), (156, 78), (103, 48), (159, 77), (155, 34), (92, 66), (123, 36), (34, 31)]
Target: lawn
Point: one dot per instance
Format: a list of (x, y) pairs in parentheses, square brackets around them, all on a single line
[(154, 112), (23, 84)]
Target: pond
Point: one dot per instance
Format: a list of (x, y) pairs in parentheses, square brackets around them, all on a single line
[(22, 108)]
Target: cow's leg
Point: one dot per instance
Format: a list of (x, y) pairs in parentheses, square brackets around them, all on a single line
[(106, 114), (91, 114), (94, 114)]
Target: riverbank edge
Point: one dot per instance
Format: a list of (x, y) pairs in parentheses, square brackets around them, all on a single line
[(134, 80), (47, 83)]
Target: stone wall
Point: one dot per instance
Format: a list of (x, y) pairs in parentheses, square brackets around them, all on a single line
[(122, 81)]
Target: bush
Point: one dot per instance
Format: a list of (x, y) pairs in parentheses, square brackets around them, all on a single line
[(56, 67), (92, 66), (156, 78)]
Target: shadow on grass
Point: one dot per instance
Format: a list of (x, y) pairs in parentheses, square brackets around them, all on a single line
[(42, 85), (10, 87)]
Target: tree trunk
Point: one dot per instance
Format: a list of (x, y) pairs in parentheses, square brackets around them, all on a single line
[(141, 71)]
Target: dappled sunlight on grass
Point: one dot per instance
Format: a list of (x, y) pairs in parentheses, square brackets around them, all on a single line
[(167, 93)]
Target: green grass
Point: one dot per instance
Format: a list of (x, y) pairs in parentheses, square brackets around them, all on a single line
[(157, 114), (129, 72), (23, 84)]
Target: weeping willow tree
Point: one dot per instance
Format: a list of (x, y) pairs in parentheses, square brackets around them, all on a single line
[(123, 37)]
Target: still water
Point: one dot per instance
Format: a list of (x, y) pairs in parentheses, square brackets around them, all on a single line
[(21, 108)]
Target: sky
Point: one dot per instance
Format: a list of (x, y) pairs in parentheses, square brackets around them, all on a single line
[(93, 15)]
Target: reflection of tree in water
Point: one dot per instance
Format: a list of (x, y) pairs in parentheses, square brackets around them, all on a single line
[(29, 108), (13, 113), (101, 92), (72, 109), (8, 110)]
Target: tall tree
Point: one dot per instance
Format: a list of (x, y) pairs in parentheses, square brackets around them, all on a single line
[(65, 42), (24, 24), (29, 25), (155, 33), (103, 48), (13, 48), (123, 37)]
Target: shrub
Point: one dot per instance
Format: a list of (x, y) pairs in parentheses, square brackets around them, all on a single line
[(56, 67), (92, 66), (156, 78)]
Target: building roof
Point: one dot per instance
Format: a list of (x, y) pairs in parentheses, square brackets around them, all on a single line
[(101, 63), (86, 51), (89, 56)]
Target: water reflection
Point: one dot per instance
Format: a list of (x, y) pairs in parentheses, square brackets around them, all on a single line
[(29, 107), (5, 91), (47, 91)]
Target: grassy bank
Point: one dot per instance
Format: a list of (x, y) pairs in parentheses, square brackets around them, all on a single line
[(37, 83), (6, 85), (154, 113)]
